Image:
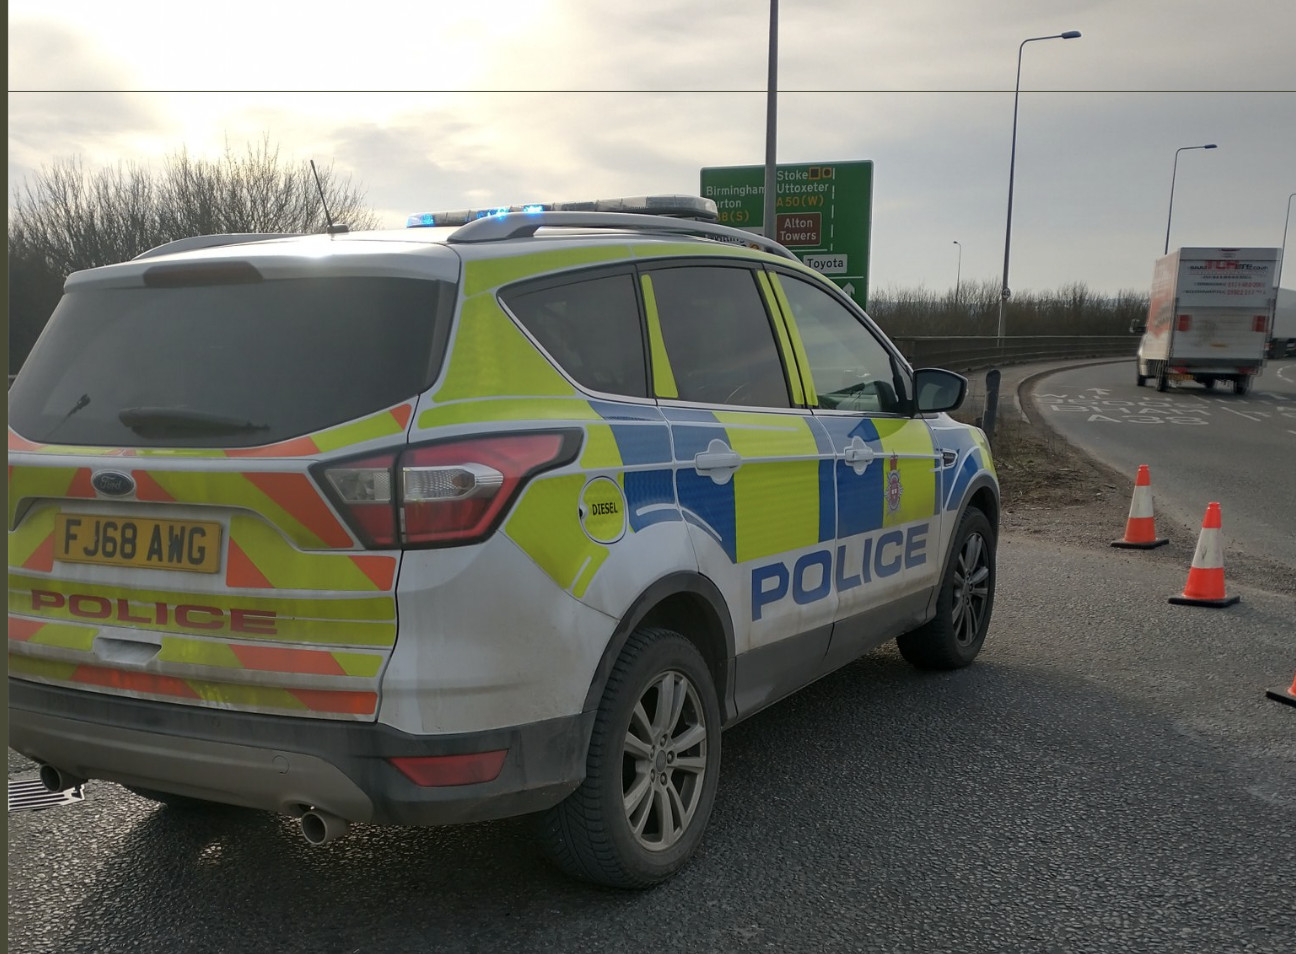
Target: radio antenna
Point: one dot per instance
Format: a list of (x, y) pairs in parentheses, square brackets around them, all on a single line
[(332, 229)]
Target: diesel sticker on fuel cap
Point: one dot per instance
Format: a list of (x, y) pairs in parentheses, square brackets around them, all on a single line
[(602, 510)]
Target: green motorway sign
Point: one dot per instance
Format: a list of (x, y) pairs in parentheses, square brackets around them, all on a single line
[(823, 214)]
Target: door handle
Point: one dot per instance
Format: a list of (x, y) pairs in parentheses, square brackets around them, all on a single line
[(718, 461), (858, 455)]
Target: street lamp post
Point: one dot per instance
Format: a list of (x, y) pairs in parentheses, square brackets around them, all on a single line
[(1283, 260), (958, 272), (1173, 172), (771, 123), (1012, 164)]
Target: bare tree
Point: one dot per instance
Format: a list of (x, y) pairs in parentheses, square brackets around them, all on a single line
[(68, 218), (74, 219), (252, 192), (1071, 310)]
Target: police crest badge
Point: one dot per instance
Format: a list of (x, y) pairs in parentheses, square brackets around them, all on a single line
[(893, 488)]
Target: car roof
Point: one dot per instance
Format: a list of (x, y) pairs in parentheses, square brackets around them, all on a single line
[(647, 218), (438, 250)]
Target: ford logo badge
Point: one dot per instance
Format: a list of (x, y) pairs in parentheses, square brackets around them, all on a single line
[(113, 484)]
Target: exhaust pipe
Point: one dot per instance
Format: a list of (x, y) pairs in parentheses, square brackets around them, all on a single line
[(55, 780), (319, 828)]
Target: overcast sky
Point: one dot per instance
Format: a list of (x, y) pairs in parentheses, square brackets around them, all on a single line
[(488, 102)]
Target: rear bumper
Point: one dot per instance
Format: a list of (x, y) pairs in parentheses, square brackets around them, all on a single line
[(286, 764), (1216, 365)]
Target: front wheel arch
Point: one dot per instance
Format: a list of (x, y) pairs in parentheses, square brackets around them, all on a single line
[(981, 494)]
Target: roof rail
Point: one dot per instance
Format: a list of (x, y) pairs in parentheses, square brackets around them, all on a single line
[(212, 241), (497, 228)]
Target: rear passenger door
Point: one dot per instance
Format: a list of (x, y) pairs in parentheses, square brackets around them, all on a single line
[(887, 523), (747, 455)]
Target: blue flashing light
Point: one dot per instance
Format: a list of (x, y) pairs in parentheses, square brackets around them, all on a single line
[(533, 208), (420, 220)]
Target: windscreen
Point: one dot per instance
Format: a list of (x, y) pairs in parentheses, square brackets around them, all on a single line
[(228, 365)]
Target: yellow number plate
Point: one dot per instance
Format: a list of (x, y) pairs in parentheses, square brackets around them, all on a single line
[(138, 541)]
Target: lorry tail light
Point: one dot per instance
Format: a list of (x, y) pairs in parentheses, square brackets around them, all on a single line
[(443, 494), (1185, 322), (1260, 324)]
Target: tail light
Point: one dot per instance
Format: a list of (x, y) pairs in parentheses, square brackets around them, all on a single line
[(443, 494), (1260, 324), (1185, 322), (362, 489)]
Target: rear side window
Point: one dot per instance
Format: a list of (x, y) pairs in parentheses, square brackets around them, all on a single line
[(718, 336), (590, 327), (228, 365)]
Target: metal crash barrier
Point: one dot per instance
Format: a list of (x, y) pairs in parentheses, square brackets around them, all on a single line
[(972, 353)]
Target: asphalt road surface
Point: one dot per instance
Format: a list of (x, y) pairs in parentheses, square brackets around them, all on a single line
[(1200, 445), (1108, 777)]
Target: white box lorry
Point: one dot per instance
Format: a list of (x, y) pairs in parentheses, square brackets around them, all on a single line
[(1209, 316)]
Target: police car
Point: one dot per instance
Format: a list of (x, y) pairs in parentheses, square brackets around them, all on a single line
[(512, 511)]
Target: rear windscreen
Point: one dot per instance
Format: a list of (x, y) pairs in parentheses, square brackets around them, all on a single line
[(228, 365)]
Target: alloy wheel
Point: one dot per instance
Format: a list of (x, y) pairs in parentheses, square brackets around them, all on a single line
[(664, 761), (971, 588)]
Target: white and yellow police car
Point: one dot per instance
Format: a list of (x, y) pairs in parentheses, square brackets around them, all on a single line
[(508, 512)]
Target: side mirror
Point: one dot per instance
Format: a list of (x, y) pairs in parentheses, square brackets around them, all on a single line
[(1137, 327), (938, 390)]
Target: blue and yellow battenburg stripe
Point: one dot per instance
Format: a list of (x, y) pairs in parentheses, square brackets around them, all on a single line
[(790, 468), (903, 447)]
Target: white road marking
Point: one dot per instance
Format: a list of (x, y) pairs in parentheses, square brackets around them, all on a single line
[(1163, 408)]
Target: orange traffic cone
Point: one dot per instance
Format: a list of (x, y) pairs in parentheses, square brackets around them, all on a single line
[(1284, 695), (1140, 528), (1206, 575)]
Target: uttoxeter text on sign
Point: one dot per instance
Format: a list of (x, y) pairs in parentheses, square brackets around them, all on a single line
[(793, 188)]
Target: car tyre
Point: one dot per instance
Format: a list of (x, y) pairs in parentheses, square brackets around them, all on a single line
[(652, 770), (1242, 384), (1139, 375), (1162, 379), (954, 636)]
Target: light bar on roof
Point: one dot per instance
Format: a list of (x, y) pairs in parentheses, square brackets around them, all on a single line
[(679, 206)]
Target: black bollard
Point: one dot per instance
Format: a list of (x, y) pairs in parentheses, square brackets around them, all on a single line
[(991, 404)]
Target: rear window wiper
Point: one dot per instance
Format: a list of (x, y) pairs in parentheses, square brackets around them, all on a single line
[(178, 422), (81, 402)]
